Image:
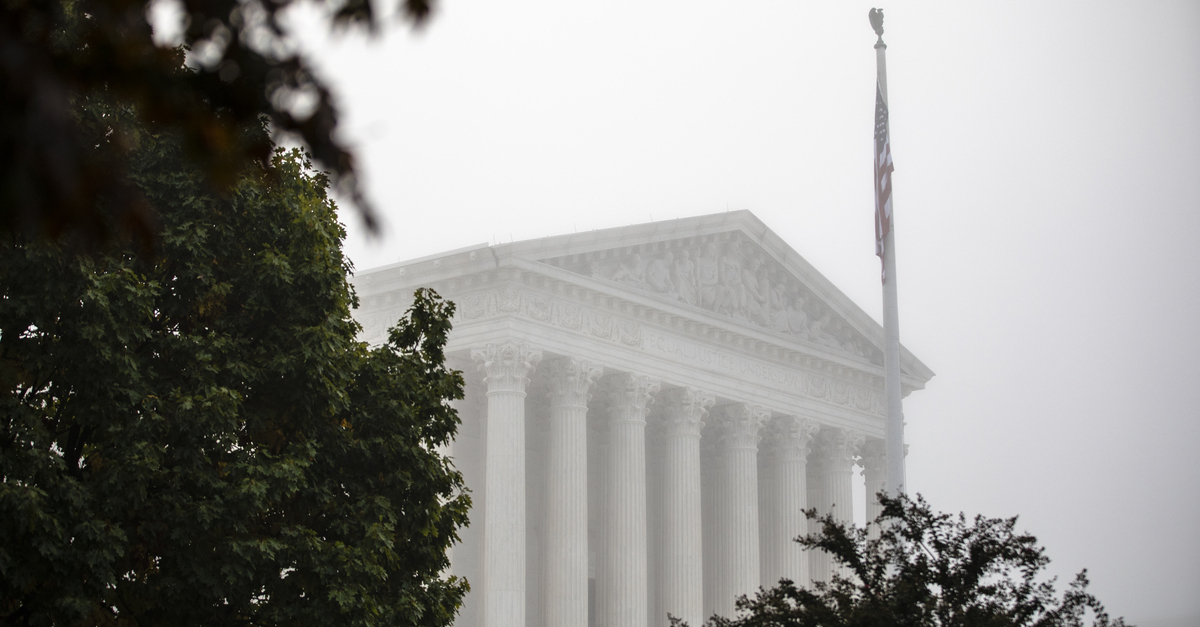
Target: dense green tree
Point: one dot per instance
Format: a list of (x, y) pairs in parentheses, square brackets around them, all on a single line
[(925, 569), (245, 64), (197, 438)]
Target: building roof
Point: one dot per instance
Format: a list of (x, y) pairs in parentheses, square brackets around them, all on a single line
[(615, 262)]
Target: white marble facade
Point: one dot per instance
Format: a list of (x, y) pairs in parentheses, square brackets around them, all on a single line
[(648, 410)]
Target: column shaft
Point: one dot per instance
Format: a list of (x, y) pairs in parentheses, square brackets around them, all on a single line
[(787, 498), (623, 600), (709, 502), (655, 524), (839, 450), (818, 561), (738, 568), (681, 580), (506, 367), (565, 554), (468, 454), (874, 458)]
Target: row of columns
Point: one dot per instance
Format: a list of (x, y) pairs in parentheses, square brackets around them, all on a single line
[(707, 492)]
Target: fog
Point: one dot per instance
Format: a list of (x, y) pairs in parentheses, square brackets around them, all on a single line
[(1046, 196)]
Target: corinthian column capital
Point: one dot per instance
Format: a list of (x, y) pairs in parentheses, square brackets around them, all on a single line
[(631, 395), (740, 424), (790, 436), (571, 381), (874, 456), (840, 448), (506, 366), (684, 410)]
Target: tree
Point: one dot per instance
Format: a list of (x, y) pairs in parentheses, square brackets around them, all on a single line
[(925, 569), (196, 437), (54, 52)]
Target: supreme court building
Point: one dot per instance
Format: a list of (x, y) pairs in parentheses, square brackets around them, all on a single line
[(648, 409)]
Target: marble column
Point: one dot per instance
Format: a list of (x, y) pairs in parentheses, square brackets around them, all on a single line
[(838, 450), (622, 594), (738, 567), (874, 458), (654, 515), (681, 577), (710, 462), (786, 498), (565, 550), (506, 367), (817, 566), (467, 452), (874, 463)]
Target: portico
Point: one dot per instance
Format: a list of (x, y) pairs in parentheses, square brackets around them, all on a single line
[(648, 410)]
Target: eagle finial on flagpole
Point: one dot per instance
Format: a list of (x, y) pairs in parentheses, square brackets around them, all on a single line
[(876, 16)]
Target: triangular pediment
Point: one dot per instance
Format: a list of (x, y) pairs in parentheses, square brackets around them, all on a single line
[(728, 269), (729, 265), (729, 275)]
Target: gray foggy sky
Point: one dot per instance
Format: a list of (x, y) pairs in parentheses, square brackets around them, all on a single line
[(1046, 187)]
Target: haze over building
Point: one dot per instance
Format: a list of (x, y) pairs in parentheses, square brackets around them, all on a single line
[(648, 410), (1046, 211)]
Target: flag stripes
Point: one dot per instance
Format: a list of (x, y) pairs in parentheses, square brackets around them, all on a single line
[(883, 175)]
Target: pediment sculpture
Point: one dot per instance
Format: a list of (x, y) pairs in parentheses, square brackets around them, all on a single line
[(737, 280)]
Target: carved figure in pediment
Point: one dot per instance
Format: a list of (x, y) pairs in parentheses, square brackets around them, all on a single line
[(630, 270), (757, 290), (819, 335), (845, 335), (731, 297), (658, 275), (778, 310), (708, 276), (797, 318), (765, 278), (683, 274)]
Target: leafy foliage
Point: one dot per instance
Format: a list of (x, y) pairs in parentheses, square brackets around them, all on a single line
[(197, 438), (925, 569), (53, 52)]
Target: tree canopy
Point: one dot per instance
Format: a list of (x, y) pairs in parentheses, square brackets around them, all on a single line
[(197, 438), (245, 64), (925, 569)]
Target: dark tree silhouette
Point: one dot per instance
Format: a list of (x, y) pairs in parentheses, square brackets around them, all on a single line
[(926, 569), (54, 183), (195, 437)]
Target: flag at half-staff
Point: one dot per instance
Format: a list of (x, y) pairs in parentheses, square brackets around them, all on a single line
[(883, 176)]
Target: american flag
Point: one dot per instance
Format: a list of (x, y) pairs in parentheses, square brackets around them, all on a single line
[(883, 175)]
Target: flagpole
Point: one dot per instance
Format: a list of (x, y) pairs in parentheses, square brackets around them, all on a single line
[(894, 444)]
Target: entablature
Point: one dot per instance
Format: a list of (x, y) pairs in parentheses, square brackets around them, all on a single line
[(618, 290)]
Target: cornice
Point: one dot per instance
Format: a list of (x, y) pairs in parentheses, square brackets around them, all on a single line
[(454, 270), (532, 290), (506, 309)]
